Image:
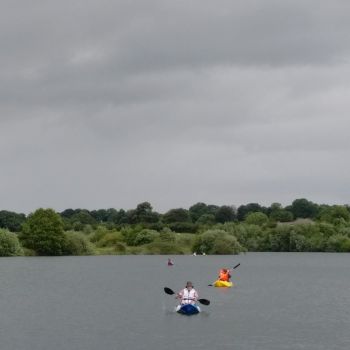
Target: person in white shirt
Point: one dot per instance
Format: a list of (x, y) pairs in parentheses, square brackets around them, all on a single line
[(188, 295)]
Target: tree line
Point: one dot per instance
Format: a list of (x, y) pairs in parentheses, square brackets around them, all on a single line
[(184, 220), (210, 229)]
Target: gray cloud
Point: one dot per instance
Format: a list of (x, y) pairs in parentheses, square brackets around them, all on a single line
[(108, 104)]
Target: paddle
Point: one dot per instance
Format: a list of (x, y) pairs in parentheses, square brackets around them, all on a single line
[(210, 285), (171, 292)]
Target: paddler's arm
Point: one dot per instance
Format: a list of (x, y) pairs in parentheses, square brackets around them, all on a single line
[(178, 295)]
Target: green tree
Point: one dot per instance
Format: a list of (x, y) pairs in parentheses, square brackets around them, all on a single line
[(206, 219), (43, 233), (302, 208), (11, 220), (68, 213), (225, 214), (82, 217), (197, 210), (131, 217), (183, 227), (277, 213), (273, 207), (117, 217), (144, 213), (177, 215), (244, 210), (9, 244), (100, 215)]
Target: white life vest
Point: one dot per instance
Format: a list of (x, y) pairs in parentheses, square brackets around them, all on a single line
[(188, 296)]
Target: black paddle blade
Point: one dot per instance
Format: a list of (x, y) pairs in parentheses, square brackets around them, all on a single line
[(204, 301), (236, 266), (168, 291)]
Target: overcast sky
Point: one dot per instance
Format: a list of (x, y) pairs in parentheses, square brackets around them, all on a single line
[(113, 103)]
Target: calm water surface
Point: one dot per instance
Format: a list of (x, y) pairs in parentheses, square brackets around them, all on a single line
[(281, 301)]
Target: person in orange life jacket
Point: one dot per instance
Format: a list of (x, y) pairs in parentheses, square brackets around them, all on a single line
[(224, 275), (188, 295)]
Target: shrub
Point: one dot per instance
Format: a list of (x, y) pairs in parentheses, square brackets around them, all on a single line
[(338, 243), (317, 243), (257, 218), (248, 235), (78, 244), (204, 242), (28, 252), (167, 235), (9, 244), (335, 214), (97, 235), (226, 245), (185, 241), (145, 236), (255, 238), (110, 239), (280, 238), (88, 230), (159, 247), (129, 235), (120, 248), (217, 242), (299, 243), (345, 231), (326, 229)]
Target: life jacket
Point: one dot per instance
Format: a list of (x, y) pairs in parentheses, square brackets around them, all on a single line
[(224, 275), (188, 296)]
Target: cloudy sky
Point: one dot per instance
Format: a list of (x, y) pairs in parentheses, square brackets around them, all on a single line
[(112, 103)]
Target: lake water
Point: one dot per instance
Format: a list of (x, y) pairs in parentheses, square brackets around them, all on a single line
[(281, 301)]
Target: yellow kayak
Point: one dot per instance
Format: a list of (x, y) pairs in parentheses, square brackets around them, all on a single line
[(225, 284)]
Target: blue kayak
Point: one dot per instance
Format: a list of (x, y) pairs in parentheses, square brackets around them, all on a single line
[(188, 309)]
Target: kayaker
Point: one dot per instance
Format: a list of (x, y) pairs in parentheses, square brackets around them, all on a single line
[(188, 295), (224, 275), (170, 262)]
